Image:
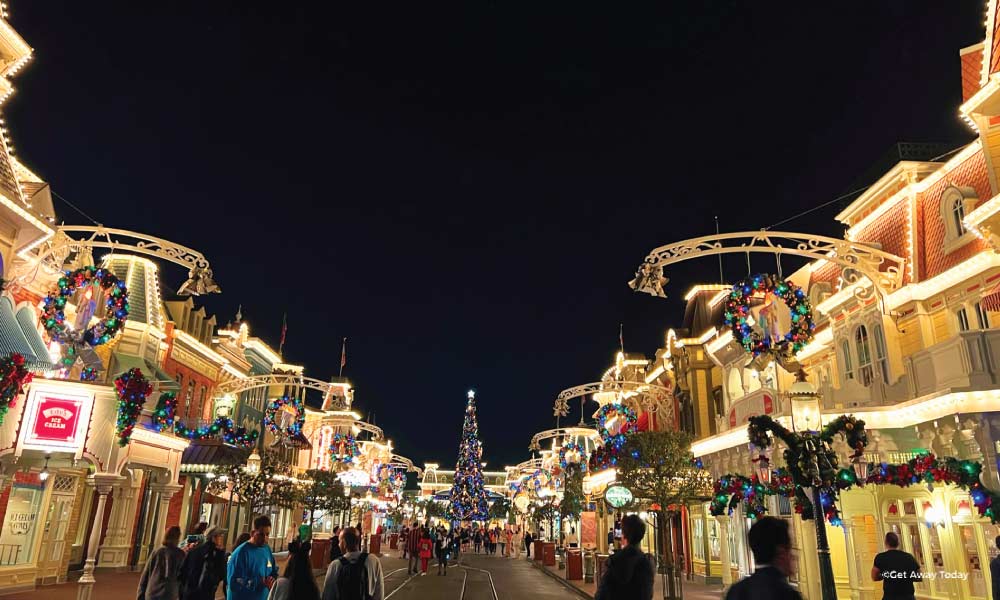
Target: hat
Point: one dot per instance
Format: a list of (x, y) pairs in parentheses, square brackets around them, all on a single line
[(214, 532)]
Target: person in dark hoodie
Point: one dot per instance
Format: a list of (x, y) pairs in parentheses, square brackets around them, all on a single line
[(204, 567), (629, 574), (772, 551)]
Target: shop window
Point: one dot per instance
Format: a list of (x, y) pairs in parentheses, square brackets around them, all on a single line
[(698, 538), (201, 401), (784, 506), (865, 372), (21, 520), (962, 318), (881, 354), (982, 317), (845, 352), (973, 562)]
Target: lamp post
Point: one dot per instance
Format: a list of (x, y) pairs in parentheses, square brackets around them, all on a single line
[(806, 421)]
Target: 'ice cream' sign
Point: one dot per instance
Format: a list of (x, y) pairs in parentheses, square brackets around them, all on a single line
[(56, 418)]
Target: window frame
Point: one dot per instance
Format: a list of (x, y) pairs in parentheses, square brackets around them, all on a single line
[(955, 203), (848, 370), (881, 352), (962, 319), (982, 315), (866, 368)]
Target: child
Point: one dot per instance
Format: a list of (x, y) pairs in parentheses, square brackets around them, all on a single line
[(426, 550)]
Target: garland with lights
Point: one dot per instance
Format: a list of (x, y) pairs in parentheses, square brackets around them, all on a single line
[(731, 490), (572, 446), (757, 340), (53, 316), (343, 448), (133, 389), (164, 417), (271, 415), (88, 374), (13, 377)]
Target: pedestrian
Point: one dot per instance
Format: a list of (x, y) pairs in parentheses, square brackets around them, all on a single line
[(611, 540), (335, 551), (252, 569), (195, 538), (297, 582), (630, 572), (441, 548), (897, 570), (243, 537), (456, 546), (995, 570), (528, 539), (402, 541), (772, 552), (572, 540), (515, 543), (161, 575), (356, 575), (426, 549), (204, 567), (413, 549), (305, 532), (502, 539)]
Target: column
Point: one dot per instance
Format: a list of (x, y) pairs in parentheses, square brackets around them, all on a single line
[(165, 491), (724, 558), (102, 483), (852, 558)]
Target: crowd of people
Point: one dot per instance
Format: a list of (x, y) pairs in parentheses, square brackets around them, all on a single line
[(250, 572)]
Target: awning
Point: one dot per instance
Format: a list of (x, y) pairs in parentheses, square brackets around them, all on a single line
[(213, 453), (296, 441), (26, 342), (125, 362), (991, 301)]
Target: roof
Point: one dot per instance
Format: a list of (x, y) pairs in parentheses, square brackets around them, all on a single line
[(124, 362), (700, 314), (18, 335), (213, 452)]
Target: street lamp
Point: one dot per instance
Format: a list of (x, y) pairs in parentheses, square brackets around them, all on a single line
[(806, 421), (253, 462)]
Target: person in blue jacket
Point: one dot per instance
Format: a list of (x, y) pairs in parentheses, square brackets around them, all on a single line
[(252, 569)]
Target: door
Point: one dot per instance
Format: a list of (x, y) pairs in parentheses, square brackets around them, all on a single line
[(51, 567)]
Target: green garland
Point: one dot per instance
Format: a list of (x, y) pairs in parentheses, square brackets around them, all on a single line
[(13, 377)]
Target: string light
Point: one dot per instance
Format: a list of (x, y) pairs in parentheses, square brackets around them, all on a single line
[(53, 316), (133, 389), (468, 494), (13, 377)]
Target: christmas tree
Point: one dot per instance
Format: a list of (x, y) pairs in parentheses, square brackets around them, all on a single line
[(468, 495)]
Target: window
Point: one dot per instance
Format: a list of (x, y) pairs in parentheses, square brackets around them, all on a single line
[(963, 319), (982, 317), (845, 349), (188, 398), (201, 402), (956, 202), (881, 356), (864, 356)]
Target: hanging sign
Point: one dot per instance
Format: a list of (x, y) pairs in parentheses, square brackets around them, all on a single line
[(617, 496), (57, 419)]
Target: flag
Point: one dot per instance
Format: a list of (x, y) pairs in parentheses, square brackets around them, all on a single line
[(621, 336), (343, 356), (284, 331)]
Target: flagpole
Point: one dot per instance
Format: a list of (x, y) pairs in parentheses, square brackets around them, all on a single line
[(284, 330), (343, 357)]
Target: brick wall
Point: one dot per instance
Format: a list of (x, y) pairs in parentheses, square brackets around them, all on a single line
[(174, 508)]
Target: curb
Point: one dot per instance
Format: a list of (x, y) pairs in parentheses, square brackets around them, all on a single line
[(564, 583)]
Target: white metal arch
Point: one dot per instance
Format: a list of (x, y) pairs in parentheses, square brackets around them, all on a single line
[(651, 394), (885, 270), (562, 433), (244, 384)]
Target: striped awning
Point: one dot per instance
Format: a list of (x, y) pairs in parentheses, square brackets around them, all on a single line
[(23, 340), (991, 301), (124, 362)]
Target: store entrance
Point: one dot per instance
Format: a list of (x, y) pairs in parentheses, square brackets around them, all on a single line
[(52, 555)]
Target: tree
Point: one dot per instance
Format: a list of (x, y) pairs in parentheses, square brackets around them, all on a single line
[(323, 491), (571, 504), (468, 494), (657, 466), (259, 489), (499, 510)]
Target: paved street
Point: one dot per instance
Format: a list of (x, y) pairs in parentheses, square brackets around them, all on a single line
[(481, 578)]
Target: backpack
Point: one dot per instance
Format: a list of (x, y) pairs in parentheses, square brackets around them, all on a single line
[(352, 579)]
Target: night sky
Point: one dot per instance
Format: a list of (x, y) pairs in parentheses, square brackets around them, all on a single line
[(464, 190)]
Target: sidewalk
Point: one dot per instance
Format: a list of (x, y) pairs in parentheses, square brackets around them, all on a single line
[(690, 591)]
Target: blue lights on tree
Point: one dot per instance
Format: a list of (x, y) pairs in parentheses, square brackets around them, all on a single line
[(468, 494)]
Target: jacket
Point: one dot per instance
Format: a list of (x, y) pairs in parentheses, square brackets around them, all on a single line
[(161, 575), (203, 569), (628, 576), (767, 583)]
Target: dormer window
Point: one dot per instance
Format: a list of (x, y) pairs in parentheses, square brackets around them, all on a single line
[(956, 202)]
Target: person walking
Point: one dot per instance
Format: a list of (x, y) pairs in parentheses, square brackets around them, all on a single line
[(413, 549), (629, 572), (204, 567), (161, 576), (426, 549), (572, 540), (402, 541), (356, 575), (897, 570), (297, 583), (335, 551), (528, 539), (252, 569), (442, 545), (477, 541), (515, 543), (771, 545), (502, 538), (196, 537)]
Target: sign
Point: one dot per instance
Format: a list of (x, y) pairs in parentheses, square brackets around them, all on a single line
[(57, 419), (617, 496)]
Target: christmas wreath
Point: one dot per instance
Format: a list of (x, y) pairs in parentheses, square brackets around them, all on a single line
[(133, 389), (271, 415), (53, 316), (13, 377), (343, 448), (761, 339), (572, 447), (164, 417), (605, 414)]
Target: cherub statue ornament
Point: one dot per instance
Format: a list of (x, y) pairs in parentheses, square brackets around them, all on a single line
[(649, 279)]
